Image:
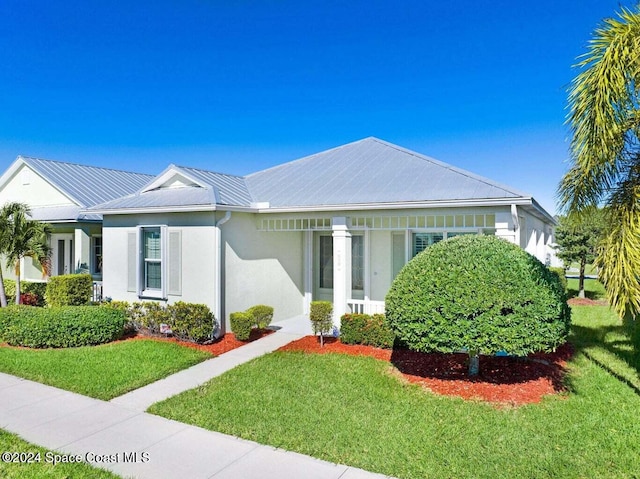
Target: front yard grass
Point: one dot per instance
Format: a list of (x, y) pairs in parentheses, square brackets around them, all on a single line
[(593, 288), (356, 411), (102, 372), (42, 469)]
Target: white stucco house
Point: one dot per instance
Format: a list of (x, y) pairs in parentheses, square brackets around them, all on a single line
[(337, 225)]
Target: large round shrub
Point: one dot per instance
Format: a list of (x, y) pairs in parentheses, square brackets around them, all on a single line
[(479, 294), (61, 326)]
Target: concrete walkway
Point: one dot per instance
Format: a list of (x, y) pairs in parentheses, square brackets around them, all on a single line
[(120, 437), (141, 399)]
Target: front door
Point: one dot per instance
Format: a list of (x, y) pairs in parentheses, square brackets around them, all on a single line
[(62, 258)]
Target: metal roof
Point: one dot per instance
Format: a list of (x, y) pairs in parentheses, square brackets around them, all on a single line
[(232, 189), (166, 197), (369, 171), (87, 185)]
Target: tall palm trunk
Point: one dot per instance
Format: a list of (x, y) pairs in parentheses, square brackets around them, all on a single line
[(17, 282), (3, 293)]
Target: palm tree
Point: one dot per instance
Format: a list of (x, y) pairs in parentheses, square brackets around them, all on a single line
[(22, 237), (604, 101)]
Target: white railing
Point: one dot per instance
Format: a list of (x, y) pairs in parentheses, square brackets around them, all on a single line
[(363, 306)]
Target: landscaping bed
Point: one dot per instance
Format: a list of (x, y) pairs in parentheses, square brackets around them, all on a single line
[(226, 343), (502, 380)]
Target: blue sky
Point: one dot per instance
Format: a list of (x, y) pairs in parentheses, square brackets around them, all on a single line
[(237, 86)]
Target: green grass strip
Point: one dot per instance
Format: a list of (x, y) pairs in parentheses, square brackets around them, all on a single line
[(40, 469), (355, 411), (101, 372)]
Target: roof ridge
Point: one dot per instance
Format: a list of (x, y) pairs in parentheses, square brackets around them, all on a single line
[(208, 171), (281, 165), (27, 158)]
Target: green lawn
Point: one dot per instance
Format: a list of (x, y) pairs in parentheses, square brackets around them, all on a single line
[(42, 469), (593, 289), (351, 410), (102, 372)]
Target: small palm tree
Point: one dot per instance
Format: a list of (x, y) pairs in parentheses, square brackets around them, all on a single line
[(22, 237), (604, 103)]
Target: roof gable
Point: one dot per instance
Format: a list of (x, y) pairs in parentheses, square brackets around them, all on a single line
[(85, 185), (369, 171)]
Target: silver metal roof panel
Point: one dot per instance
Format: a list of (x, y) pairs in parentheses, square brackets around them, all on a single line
[(369, 171)]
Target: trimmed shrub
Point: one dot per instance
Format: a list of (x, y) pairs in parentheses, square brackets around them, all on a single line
[(153, 315), (480, 294), (241, 324), (191, 322), (37, 289), (61, 327), (69, 290), (262, 315), (562, 275), (366, 329), (320, 315)]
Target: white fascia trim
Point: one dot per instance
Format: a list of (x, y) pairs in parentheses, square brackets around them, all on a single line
[(171, 171), (170, 209), (403, 205)]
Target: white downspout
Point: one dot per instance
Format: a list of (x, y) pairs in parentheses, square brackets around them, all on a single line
[(218, 274)]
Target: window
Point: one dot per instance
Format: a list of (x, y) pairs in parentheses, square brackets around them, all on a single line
[(152, 259), (422, 241), (357, 262), (326, 262), (96, 255)]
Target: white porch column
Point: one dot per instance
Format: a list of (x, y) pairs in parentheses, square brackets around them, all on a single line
[(341, 268), (82, 251)]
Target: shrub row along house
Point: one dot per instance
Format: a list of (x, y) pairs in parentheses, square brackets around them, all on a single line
[(337, 225)]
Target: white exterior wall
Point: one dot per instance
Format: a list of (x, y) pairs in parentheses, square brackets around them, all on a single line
[(262, 268), (197, 260)]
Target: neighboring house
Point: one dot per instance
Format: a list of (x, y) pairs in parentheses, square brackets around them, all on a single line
[(337, 225), (58, 193)]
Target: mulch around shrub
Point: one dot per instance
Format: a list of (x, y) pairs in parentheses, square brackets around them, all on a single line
[(502, 381), (225, 344)]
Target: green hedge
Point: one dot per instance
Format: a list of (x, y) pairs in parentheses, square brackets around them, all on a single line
[(320, 315), (36, 288), (480, 294), (191, 322), (188, 321), (60, 326), (562, 275), (262, 315), (69, 290), (241, 324), (366, 329)]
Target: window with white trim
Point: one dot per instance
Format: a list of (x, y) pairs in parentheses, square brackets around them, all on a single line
[(422, 241), (152, 260)]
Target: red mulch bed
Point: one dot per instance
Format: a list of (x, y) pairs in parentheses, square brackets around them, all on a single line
[(225, 344), (502, 380)]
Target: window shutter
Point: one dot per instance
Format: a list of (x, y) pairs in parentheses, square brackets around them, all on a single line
[(132, 262), (175, 263)]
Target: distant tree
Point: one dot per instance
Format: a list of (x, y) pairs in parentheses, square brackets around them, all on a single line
[(578, 238), (604, 117), (22, 237)]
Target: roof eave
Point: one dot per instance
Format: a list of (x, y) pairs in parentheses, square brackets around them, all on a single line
[(520, 201)]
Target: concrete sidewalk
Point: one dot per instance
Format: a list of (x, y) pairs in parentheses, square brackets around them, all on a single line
[(137, 444), (119, 436), (141, 399)]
